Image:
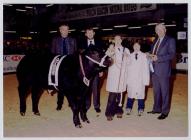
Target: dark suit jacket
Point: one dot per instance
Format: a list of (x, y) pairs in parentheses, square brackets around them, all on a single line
[(57, 45), (165, 54)]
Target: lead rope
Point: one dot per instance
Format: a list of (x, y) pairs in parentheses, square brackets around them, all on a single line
[(85, 80), (121, 94), (99, 63)]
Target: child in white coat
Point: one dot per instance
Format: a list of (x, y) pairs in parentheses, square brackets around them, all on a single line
[(116, 81), (138, 77)]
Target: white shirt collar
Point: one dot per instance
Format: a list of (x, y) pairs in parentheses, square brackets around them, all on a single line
[(161, 39), (91, 40)]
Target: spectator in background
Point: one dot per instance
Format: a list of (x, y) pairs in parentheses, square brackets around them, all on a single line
[(63, 45)]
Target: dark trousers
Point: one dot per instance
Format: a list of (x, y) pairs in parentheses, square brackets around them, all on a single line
[(130, 101), (161, 94), (113, 104), (95, 90)]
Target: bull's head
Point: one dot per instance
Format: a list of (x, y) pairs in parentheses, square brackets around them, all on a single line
[(99, 56)]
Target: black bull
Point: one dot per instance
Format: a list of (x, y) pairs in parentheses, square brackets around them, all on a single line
[(32, 75)]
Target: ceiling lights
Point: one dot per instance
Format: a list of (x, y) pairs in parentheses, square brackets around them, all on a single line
[(136, 27), (108, 29), (21, 10), (120, 26), (9, 31)]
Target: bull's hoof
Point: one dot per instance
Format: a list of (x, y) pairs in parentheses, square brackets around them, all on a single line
[(58, 108), (78, 126), (37, 113), (86, 121), (22, 113)]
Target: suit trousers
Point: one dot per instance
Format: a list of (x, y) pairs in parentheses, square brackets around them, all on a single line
[(113, 104), (95, 90), (161, 94)]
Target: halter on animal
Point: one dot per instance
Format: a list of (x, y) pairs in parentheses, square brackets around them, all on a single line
[(99, 63), (85, 80)]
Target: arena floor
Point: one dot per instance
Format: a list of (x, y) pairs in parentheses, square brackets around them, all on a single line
[(54, 123)]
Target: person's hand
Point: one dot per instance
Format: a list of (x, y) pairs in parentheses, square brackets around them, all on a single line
[(100, 74), (148, 55), (154, 58), (126, 54), (110, 51)]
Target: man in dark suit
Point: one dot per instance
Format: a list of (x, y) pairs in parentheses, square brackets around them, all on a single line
[(91, 41), (163, 51), (63, 45)]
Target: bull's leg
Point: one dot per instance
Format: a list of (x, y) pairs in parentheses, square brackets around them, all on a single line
[(75, 106), (60, 99), (84, 117), (23, 90), (36, 94), (76, 118), (83, 114), (84, 108)]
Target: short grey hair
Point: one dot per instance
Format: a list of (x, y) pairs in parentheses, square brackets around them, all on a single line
[(161, 25)]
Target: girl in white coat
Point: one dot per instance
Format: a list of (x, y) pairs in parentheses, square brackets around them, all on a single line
[(138, 78), (116, 79)]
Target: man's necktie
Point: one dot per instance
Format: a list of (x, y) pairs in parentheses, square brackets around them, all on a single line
[(64, 47), (90, 43), (136, 56), (156, 47)]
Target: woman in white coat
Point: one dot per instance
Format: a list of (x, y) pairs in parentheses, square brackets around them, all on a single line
[(137, 78), (116, 79)]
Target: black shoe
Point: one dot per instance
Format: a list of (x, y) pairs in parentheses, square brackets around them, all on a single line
[(98, 110), (162, 116), (153, 112)]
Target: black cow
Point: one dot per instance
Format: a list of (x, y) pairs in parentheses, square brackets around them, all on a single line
[(32, 75)]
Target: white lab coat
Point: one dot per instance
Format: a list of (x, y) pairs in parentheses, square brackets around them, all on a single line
[(117, 72), (138, 76)]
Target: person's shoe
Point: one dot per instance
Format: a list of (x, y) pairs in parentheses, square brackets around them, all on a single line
[(140, 112), (153, 112), (119, 115), (109, 118), (128, 110), (162, 116), (98, 110)]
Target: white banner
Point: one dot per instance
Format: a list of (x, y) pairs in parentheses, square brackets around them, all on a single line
[(182, 61), (10, 62), (108, 10)]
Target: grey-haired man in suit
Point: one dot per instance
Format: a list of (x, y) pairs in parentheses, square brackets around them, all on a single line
[(63, 45), (163, 51)]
